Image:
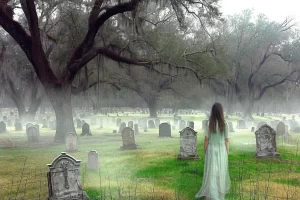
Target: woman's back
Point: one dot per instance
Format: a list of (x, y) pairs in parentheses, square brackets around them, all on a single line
[(217, 137)]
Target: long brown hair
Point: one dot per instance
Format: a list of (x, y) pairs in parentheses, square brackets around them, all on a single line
[(216, 116)]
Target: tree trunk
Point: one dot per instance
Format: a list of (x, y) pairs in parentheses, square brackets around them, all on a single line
[(152, 103), (60, 98), (248, 109)]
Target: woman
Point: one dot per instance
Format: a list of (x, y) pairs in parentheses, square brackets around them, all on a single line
[(216, 181)]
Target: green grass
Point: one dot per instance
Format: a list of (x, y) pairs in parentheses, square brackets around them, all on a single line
[(153, 172)]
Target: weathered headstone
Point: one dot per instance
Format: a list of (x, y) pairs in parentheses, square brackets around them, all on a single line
[(118, 123), (266, 142), (136, 129), (204, 124), (280, 129), (9, 144), (33, 135), (2, 127), (5, 118), (164, 130), (151, 124), (191, 125), (188, 144), (86, 130), (45, 123), (93, 160), (157, 123), (230, 126), (252, 129), (122, 126), (64, 179), (128, 139), (260, 124), (101, 123), (130, 124), (182, 124), (241, 124), (78, 123), (18, 126), (71, 142)]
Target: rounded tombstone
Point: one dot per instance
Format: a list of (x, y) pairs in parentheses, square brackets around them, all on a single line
[(71, 142), (164, 130), (86, 130), (280, 129), (2, 127), (260, 124), (122, 126), (32, 134)]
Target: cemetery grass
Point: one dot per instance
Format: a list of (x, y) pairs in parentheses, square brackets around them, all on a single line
[(153, 172)]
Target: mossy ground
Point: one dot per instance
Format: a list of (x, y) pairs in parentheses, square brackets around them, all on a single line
[(152, 172)]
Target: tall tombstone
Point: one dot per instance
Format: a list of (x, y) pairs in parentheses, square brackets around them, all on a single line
[(136, 129), (64, 179), (2, 127), (122, 126), (118, 123), (192, 124), (230, 126), (45, 123), (71, 142), (188, 144), (266, 142), (128, 139), (101, 123), (151, 124), (93, 163), (18, 126), (130, 124), (204, 124), (157, 123), (164, 130), (9, 123), (241, 124), (28, 125), (78, 123), (182, 124), (33, 135), (86, 130), (5, 118), (11, 113), (280, 129)]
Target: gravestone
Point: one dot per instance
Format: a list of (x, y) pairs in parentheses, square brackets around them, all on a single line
[(204, 124), (115, 131), (157, 123), (122, 126), (28, 125), (2, 127), (262, 115), (101, 123), (241, 124), (188, 144), (136, 129), (293, 124), (191, 125), (5, 118), (130, 124), (33, 135), (230, 126), (18, 126), (118, 123), (9, 122), (78, 123), (11, 113), (151, 124), (128, 139), (86, 130), (266, 142), (164, 130), (260, 124), (93, 160), (45, 123), (252, 129), (93, 121), (280, 129), (52, 124), (182, 124), (71, 142), (64, 179)]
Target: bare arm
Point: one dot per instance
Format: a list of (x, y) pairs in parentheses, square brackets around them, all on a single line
[(227, 145), (205, 144)]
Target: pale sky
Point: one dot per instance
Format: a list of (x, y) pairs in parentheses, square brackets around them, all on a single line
[(276, 10)]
